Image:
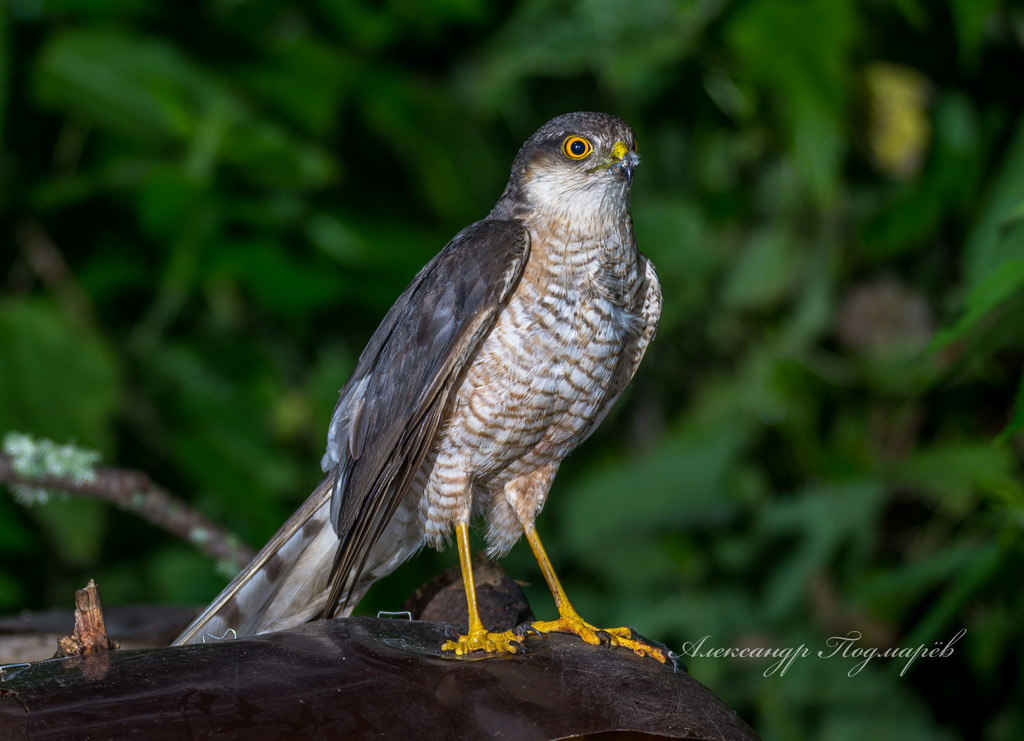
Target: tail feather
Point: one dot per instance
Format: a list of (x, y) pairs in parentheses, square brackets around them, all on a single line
[(289, 581), (286, 584)]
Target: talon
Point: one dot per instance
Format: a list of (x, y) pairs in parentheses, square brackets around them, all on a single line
[(574, 624), (676, 663), (483, 640), (528, 628)]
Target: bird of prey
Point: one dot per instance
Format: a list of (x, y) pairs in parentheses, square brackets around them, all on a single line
[(503, 354)]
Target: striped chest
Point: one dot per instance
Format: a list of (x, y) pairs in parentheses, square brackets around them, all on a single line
[(543, 374)]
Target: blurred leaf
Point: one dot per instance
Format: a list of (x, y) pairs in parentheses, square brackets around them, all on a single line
[(57, 378), (955, 473), (12, 595), (6, 59), (734, 99), (912, 11), (822, 520), (280, 284), (338, 239), (409, 118), (684, 480), (982, 562), (687, 255), (269, 157), (15, 538), (141, 88), (914, 579), (1016, 423), (326, 375), (767, 267), (970, 21), (219, 431), (91, 9), (365, 26), (150, 91), (1002, 284), (304, 79), (562, 41), (899, 132), (807, 74), (167, 197), (998, 235), (916, 212), (75, 527), (181, 575)]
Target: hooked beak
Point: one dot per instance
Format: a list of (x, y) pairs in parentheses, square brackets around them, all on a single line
[(623, 161)]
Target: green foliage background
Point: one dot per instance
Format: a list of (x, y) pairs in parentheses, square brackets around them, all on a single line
[(206, 208)]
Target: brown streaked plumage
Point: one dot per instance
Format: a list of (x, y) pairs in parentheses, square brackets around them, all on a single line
[(503, 354)]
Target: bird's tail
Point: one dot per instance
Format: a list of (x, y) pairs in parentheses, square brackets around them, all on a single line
[(286, 584)]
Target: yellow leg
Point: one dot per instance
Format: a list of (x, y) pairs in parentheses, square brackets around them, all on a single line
[(569, 620), (477, 638)]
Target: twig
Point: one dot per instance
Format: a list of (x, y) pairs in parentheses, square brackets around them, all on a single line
[(90, 634), (133, 491)]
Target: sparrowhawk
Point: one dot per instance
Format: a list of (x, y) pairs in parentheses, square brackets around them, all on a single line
[(503, 354)]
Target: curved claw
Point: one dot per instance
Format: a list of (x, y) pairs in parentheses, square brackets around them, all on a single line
[(525, 629), (604, 636), (676, 663)]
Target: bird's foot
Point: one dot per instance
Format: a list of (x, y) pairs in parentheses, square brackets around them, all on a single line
[(595, 636), (483, 640)]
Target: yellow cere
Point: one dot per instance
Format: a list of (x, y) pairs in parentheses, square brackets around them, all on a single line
[(619, 150)]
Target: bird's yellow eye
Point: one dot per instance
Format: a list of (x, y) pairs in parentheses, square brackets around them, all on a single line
[(576, 147)]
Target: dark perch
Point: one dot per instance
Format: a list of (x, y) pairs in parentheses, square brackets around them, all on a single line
[(353, 678), (359, 678)]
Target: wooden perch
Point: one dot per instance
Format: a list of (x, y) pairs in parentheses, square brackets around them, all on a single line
[(360, 678), (354, 678)]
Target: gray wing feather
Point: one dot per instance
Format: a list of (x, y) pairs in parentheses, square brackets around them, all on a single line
[(389, 411), (385, 420)]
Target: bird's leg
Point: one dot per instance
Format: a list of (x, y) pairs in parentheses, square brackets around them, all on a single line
[(569, 621), (477, 638)]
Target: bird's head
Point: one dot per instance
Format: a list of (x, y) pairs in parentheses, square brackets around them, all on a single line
[(575, 160)]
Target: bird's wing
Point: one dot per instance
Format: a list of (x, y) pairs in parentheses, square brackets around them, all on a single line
[(391, 407), (382, 427)]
